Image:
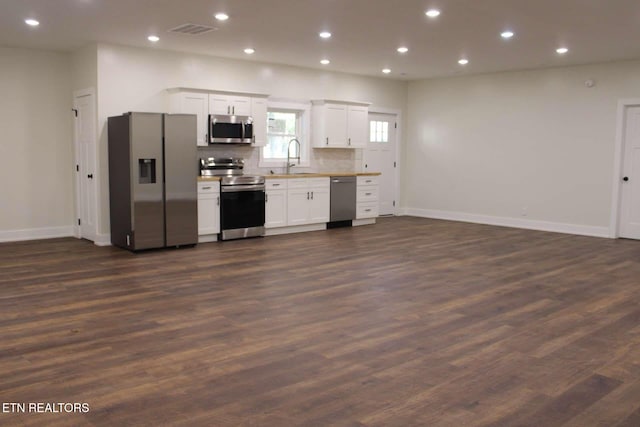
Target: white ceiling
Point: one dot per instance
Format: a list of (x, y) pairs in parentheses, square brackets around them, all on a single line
[(366, 33)]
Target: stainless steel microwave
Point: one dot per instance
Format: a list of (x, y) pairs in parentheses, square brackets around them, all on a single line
[(230, 129)]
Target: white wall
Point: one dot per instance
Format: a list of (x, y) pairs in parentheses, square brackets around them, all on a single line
[(36, 144), (136, 79), (532, 149)]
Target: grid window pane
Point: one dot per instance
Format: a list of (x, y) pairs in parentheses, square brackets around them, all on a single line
[(283, 127), (378, 131)]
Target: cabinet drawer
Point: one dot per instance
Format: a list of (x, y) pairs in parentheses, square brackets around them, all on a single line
[(297, 183), (208, 187), (319, 182), (367, 194), (276, 184), (366, 210), (367, 180)]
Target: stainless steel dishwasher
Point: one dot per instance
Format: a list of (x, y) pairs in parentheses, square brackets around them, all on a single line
[(343, 201)]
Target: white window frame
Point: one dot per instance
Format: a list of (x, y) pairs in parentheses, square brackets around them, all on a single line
[(305, 138)]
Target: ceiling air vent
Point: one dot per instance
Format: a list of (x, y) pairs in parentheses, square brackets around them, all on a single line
[(192, 29)]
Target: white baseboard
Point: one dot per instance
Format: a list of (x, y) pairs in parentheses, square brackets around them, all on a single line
[(102, 240), (36, 233), (294, 229), (206, 238), (366, 221), (529, 224)]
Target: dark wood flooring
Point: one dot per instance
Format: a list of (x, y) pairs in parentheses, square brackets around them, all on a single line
[(411, 322)]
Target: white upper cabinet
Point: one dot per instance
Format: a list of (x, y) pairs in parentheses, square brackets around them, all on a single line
[(357, 126), (337, 124), (259, 115), (229, 104), (193, 103), (203, 102)]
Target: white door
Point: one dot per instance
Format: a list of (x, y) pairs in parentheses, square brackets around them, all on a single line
[(86, 172), (630, 202), (380, 156)]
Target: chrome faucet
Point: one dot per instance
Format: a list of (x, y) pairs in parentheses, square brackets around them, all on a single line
[(289, 158)]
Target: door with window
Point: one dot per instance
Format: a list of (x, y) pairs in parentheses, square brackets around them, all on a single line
[(380, 156)]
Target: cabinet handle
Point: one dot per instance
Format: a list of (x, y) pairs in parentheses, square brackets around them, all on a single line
[(367, 194), (349, 141), (266, 197), (367, 210), (312, 195), (307, 195), (228, 109), (206, 188), (233, 110), (327, 140), (275, 185), (368, 181), (218, 200)]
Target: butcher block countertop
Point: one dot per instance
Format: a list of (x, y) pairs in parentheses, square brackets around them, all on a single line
[(299, 175), (321, 174)]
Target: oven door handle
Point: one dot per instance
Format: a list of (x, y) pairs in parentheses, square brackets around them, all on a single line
[(235, 188), (242, 126)]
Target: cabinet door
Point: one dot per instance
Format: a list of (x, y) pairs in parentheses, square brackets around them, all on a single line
[(198, 104), (240, 105), (336, 125), (357, 126), (259, 114), (208, 213), (298, 206), (276, 209), (219, 104), (319, 206)]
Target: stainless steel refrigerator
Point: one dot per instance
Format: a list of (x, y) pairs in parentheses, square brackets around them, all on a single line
[(153, 180)]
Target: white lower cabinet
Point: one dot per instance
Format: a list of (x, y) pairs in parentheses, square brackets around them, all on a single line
[(275, 203), (367, 199), (308, 201), (208, 208)]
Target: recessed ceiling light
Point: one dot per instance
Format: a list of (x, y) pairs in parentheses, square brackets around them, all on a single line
[(325, 62), (221, 16), (507, 34), (562, 50), (432, 13), (31, 22), (403, 49), (249, 51), (386, 70), (153, 38), (325, 34), (463, 61)]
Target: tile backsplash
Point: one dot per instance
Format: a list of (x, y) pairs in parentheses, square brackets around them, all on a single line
[(321, 159)]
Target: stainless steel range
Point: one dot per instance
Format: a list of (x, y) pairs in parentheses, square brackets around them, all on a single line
[(242, 200)]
